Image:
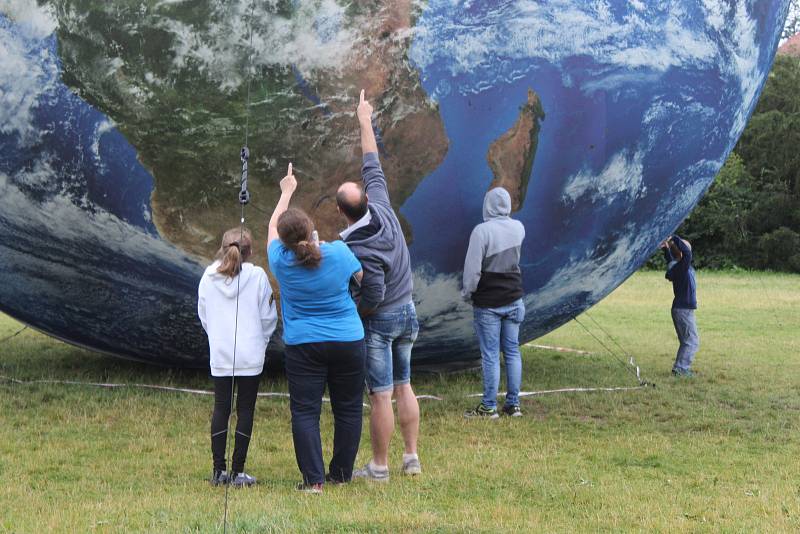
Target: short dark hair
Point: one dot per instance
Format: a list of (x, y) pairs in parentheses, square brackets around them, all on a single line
[(352, 210)]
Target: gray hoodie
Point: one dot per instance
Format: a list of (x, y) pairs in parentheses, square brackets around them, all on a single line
[(381, 248), (492, 277)]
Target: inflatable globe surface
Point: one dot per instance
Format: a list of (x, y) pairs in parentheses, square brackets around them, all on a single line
[(121, 124)]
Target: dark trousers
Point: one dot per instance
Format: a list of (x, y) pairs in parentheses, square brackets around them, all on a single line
[(309, 367), (246, 394)]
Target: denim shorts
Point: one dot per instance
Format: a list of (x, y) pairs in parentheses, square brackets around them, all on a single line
[(389, 337)]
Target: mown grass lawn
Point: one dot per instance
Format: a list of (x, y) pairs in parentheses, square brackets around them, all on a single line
[(720, 452)]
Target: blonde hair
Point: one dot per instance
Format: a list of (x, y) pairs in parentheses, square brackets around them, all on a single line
[(237, 245)]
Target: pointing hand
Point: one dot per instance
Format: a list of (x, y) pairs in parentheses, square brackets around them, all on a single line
[(289, 182), (364, 110)]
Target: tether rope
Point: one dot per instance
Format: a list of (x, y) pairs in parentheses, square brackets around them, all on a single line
[(279, 394), (15, 334), (608, 335), (244, 198), (282, 395), (629, 366), (559, 349)]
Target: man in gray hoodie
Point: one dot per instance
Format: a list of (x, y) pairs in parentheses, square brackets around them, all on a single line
[(384, 303), (493, 282)]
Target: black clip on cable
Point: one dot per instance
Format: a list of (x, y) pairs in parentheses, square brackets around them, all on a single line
[(244, 194)]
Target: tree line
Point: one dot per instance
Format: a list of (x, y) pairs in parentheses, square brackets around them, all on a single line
[(750, 216)]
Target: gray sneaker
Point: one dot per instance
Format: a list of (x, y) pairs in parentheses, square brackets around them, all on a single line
[(219, 478), (373, 475), (242, 480), (412, 467)]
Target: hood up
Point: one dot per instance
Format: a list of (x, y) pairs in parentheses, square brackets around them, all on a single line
[(496, 204)]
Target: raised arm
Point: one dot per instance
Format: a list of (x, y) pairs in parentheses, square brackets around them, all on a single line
[(371, 171), (664, 246), (364, 114), (685, 260), (682, 258), (684, 247), (288, 185)]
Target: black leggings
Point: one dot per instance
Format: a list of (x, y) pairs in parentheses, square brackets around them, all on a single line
[(246, 394)]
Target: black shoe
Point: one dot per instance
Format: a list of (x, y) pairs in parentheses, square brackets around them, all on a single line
[(482, 412), (512, 411), (219, 478), (330, 479)]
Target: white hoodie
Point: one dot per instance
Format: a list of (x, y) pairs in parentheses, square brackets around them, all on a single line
[(216, 306)]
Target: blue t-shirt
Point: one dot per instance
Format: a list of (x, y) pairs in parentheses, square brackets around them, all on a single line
[(316, 302)]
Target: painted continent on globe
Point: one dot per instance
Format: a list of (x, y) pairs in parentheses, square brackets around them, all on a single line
[(122, 123)]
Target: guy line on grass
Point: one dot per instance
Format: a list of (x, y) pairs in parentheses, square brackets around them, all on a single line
[(631, 365), (15, 334), (279, 394)]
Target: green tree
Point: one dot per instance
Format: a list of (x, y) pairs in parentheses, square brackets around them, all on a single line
[(750, 216), (717, 227), (780, 249), (792, 25), (769, 144)]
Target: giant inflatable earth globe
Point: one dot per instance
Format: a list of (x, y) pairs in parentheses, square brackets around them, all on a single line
[(121, 123)]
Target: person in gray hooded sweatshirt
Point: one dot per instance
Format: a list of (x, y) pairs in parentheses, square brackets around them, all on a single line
[(493, 282), (384, 303)]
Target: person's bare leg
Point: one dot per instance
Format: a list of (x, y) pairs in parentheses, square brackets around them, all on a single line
[(408, 416), (381, 426)]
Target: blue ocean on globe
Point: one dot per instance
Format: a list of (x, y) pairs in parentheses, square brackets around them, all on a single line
[(122, 123)]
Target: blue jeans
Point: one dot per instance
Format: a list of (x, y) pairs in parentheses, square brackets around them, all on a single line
[(686, 328), (389, 337), (498, 329)]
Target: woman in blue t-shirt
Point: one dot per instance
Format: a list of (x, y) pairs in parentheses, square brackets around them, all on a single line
[(324, 339)]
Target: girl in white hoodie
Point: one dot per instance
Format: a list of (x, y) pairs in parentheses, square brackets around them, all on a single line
[(237, 350)]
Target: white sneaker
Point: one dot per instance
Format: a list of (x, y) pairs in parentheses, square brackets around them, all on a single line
[(368, 472), (411, 467), (242, 480)]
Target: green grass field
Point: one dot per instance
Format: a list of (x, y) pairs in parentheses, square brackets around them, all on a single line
[(717, 453)]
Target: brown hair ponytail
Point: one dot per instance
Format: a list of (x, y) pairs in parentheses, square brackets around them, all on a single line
[(294, 229), (236, 247)]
